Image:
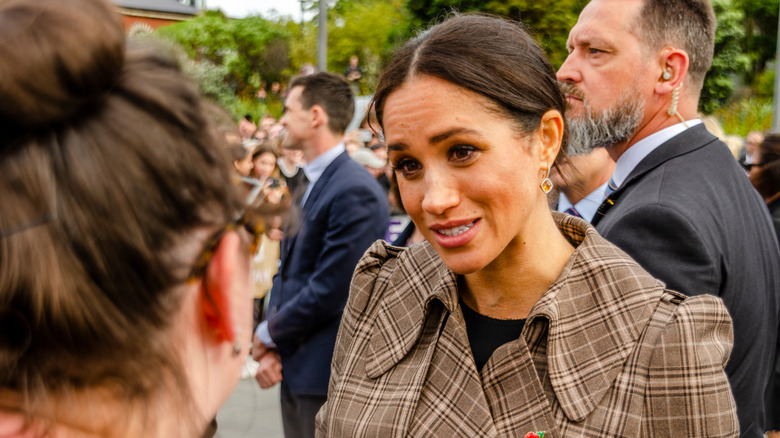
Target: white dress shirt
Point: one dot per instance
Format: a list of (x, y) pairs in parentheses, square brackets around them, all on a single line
[(587, 206)]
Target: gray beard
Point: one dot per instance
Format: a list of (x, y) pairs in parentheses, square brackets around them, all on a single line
[(613, 125)]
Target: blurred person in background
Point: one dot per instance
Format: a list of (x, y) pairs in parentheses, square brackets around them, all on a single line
[(246, 126), (765, 176), (581, 181), (273, 191), (290, 162), (752, 140), (242, 160), (124, 244), (372, 163), (354, 75)]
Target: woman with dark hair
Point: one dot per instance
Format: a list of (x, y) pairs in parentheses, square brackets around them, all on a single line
[(510, 320), (125, 303), (764, 173)]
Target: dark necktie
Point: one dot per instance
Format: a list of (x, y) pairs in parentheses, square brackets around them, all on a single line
[(572, 211), (296, 210), (300, 190)]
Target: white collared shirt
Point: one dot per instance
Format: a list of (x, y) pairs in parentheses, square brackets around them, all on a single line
[(316, 168), (641, 149)]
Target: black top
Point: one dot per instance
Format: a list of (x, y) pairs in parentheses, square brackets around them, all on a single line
[(487, 334)]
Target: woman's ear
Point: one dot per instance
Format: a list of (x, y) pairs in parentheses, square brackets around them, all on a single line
[(550, 136), (217, 287)]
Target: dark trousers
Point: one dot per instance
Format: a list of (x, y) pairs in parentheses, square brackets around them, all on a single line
[(298, 413)]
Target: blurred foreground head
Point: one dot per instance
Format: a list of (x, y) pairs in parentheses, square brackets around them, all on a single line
[(111, 187)]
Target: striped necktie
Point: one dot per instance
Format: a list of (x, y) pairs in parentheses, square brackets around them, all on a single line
[(572, 211), (611, 187)]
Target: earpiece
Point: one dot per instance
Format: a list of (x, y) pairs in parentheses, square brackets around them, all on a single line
[(667, 75)]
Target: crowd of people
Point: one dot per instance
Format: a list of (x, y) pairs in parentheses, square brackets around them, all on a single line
[(583, 256)]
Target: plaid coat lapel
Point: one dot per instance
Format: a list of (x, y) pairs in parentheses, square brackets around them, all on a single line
[(401, 318), (613, 315)]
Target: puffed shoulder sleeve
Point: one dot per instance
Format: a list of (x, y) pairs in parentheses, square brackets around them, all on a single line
[(688, 393)]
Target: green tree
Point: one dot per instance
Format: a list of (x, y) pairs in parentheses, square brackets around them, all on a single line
[(760, 41), (548, 20), (369, 29), (729, 61), (230, 58), (261, 52)]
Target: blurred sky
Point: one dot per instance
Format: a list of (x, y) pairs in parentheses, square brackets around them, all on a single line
[(266, 8)]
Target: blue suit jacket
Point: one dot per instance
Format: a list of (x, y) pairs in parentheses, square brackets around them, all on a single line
[(691, 218), (345, 212)]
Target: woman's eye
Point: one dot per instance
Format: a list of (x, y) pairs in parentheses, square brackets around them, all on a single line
[(407, 167), (462, 153)]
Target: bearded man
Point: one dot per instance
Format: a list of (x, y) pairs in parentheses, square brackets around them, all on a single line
[(677, 202)]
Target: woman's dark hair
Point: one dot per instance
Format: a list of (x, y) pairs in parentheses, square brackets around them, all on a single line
[(487, 55), (111, 175), (767, 179)]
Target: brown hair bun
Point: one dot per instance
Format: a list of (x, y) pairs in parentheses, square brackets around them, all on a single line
[(37, 92)]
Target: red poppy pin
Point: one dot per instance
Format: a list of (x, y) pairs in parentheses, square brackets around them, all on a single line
[(534, 435)]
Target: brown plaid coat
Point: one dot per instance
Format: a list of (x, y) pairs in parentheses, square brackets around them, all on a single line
[(606, 351)]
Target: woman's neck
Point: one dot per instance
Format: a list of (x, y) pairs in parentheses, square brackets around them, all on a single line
[(511, 286)]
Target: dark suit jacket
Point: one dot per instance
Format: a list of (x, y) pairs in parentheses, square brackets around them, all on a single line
[(688, 214), (773, 392), (344, 214)]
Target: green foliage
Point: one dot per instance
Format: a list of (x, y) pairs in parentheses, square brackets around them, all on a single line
[(231, 58), (743, 116), (206, 37), (764, 87), (368, 29), (548, 20), (760, 24), (261, 51), (729, 61)]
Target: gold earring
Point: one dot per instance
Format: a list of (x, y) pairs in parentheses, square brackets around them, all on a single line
[(546, 184)]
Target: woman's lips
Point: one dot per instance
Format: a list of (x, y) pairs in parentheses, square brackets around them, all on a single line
[(453, 236)]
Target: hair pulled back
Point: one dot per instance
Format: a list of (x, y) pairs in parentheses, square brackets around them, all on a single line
[(487, 55), (108, 165)]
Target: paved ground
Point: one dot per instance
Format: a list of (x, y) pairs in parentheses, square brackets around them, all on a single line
[(250, 412)]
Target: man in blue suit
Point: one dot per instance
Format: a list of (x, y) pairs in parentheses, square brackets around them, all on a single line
[(333, 221)]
